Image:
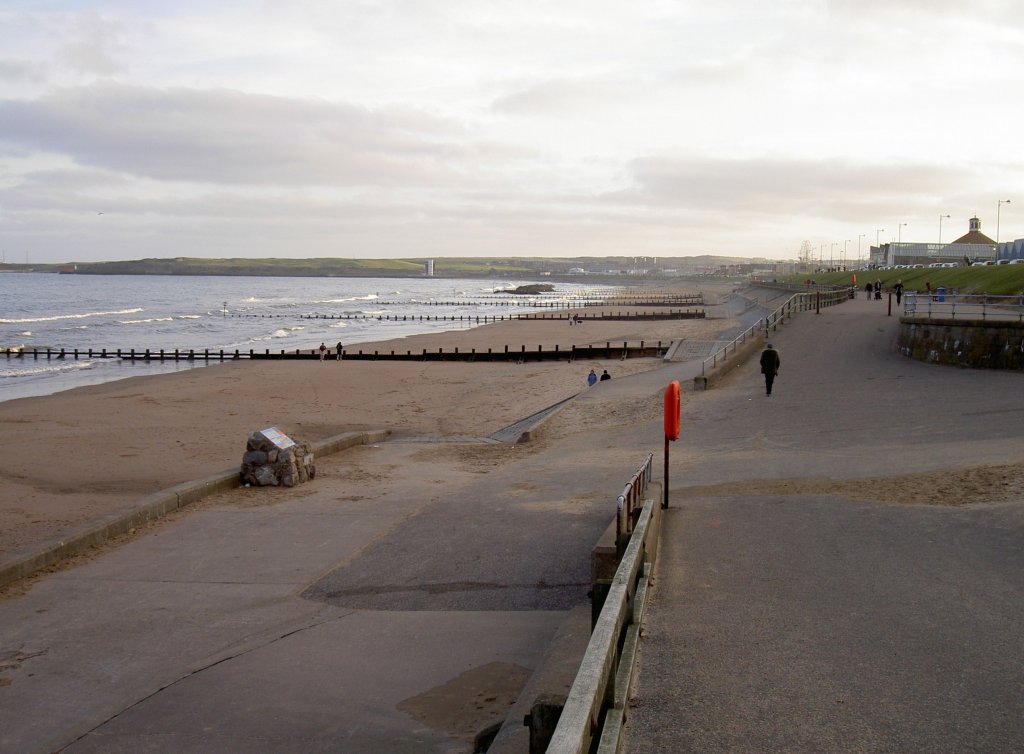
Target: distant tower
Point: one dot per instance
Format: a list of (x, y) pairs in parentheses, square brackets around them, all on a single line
[(975, 224), (430, 268)]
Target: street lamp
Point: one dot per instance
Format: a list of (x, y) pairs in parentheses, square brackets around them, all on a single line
[(999, 206), (842, 259), (899, 233), (858, 248), (880, 230), (940, 227)]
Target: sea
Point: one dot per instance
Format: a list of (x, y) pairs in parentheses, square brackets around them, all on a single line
[(47, 310)]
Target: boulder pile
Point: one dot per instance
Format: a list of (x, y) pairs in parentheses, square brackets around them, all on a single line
[(273, 459)]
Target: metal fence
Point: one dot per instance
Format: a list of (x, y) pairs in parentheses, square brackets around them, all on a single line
[(941, 305), (797, 303)]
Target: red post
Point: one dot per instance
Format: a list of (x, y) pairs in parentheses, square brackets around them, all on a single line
[(671, 427)]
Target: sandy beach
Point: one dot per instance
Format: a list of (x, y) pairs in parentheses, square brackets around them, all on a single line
[(81, 454)]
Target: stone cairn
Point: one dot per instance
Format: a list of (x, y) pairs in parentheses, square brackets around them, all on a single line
[(267, 464)]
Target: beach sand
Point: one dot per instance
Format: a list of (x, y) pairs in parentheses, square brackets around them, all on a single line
[(79, 455)]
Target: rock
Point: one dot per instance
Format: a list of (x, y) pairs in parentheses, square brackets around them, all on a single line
[(272, 459)]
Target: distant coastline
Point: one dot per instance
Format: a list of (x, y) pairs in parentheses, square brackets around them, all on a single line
[(577, 268)]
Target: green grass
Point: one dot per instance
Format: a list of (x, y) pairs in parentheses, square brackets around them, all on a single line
[(998, 280)]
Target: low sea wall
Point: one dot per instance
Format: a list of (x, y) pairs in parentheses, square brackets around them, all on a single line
[(980, 344)]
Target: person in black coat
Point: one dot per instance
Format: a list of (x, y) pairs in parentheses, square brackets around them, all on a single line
[(770, 362)]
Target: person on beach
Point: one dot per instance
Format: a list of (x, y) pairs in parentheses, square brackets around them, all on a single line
[(340, 349), (605, 375), (323, 351), (770, 362), (899, 291), (592, 378)]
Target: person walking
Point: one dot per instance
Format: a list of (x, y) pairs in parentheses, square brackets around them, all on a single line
[(323, 351), (868, 288), (769, 367), (899, 291), (592, 378), (340, 349)]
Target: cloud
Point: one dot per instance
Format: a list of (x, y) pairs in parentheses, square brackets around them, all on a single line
[(22, 71), (232, 137), (93, 44), (828, 190)]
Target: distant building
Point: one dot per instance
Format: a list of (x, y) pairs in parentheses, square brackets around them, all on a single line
[(1011, 249), (973, 245), (430, 268)]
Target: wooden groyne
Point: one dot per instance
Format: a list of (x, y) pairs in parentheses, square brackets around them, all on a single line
[(484, 319), (625, 300), (519, 354)]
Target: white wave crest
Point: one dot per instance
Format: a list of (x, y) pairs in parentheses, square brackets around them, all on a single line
[(144, 321), (49, 368), (59, 317)]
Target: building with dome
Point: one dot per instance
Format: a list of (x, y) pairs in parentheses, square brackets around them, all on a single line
[(973, 246)]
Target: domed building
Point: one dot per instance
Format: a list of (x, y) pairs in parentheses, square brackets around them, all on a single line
[(972, 246)]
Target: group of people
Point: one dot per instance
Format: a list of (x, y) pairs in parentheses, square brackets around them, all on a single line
[(339, 349), (575, 319), (876, 289), (592, 378)]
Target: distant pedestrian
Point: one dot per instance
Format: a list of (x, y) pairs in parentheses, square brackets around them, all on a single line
[(592, 378), (323, 351), (878, 290), (868, 288), (340, 349), (605, 375), (770, 362), (899, 291)]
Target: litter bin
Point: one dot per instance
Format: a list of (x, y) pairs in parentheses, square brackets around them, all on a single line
[(940, 293)]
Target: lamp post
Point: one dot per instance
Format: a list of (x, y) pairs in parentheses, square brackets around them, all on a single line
[(842, 259), (899, 233), (858, 248), (940, 227), (999, 206), (832, 255)]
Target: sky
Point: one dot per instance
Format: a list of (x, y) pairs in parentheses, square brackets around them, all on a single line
[(431, 128)]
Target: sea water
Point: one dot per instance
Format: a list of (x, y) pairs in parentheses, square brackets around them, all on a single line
[(50, 311)]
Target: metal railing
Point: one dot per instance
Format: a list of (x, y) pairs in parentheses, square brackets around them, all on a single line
[(941, 305), (796, 303), (594, 709)]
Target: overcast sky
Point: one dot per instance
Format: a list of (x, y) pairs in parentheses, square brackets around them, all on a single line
[(376, 128)]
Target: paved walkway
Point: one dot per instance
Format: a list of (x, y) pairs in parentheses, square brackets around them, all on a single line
[(839, 619)]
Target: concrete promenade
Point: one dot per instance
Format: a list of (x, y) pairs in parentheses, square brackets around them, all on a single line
[(815, 590)]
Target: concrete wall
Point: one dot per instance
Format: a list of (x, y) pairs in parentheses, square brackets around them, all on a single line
[(982, 344)]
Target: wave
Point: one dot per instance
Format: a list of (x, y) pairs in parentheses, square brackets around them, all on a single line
[(144, 321), (49, 369), (367, 297), (59, 317)]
